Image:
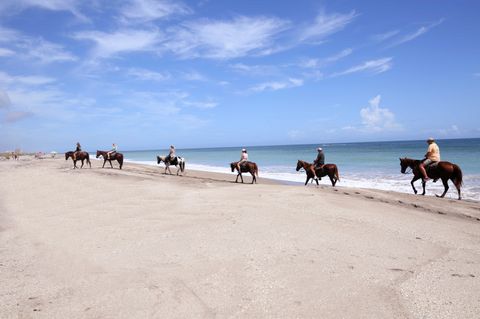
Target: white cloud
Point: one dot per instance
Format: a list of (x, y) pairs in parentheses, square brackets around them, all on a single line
[(326, 24), (375, 118), (150, 10), (385, 36), (29, 80), (121, 41), (148, 75), (6, 52), (194, 76), (225, 39), (275, 86), (316, 63), (202, 105), (420, 31), (477, 75), (12, 6), (374, 66), (4, 100)]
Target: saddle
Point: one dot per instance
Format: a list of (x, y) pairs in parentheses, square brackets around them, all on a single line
[(243, 165)]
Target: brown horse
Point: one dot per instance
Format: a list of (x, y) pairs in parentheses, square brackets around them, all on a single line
[(115, 156), (81, 156), (246, 167), (442, 170), (314, 172)]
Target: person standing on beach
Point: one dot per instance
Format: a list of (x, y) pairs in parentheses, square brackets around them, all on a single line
[(77, 149), (112, 151), (432, 156), (243, 158)]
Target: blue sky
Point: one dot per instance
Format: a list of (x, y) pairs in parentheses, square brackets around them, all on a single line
[(149, 73)]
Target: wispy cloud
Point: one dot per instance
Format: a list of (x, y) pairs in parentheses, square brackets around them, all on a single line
[(6, 52), (29, 80), (148, 75), (141, 11), (225, 39), (373, 66), (4, 100), (37, 49), (385, 36), (317, 63), (420, 31), (8, 7), (277, 85), (202, 105), (121, 41), (194, 76), (325, 25)]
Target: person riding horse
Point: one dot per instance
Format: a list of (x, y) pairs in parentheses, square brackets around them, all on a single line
[(112, 151), (319, 161), (77, 150), (243, 158), (171, 154), (431, 157)]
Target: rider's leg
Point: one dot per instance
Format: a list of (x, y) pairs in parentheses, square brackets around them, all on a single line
[(423, 171)]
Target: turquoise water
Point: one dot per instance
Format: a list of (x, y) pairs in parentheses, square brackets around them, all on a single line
[(370, 165)]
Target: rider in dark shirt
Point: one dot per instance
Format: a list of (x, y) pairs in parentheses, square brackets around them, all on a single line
[(319, 161), (77, 149)]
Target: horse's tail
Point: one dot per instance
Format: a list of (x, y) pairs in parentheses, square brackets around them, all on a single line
[(120, 160), (88, 160), (336, 173), (457, 175), (182, 165)]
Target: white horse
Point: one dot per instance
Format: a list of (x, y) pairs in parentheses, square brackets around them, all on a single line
[(176, 161)]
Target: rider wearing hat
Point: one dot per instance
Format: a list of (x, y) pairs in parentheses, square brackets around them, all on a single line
[(319, 161), (171, 154), (77, 149), (432, 156)]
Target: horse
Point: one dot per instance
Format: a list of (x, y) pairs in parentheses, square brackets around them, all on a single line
[(441, 170), (115, 156), (81, 156), (245, 167), (314, 172), (177, 161)]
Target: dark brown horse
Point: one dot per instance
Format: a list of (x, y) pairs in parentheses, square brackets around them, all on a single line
[(442, 170), (246, 167), (315, 172), (116, 156), (81, 156)]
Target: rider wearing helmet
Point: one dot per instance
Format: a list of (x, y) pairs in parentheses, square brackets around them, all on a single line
[(243, 158)]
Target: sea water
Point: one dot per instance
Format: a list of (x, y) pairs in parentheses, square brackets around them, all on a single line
[(367, 165)]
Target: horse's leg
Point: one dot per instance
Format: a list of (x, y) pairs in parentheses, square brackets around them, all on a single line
[(236, 180), (423, 186), (414, 179), (241, 177), (332, 179), (445, 185), (104, 161), (253, 177), (457, 186), (110, 161), (82, 163), (306, 182), (316, 180), (74, 164)]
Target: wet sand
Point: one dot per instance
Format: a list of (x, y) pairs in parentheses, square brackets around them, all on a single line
[(105, 243)]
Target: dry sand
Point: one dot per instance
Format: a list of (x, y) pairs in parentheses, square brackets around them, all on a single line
[(105, 243)]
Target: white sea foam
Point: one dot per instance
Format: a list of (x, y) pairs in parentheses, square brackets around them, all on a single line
[(389, 182)]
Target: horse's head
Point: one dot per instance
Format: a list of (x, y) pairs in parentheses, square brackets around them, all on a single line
[(299, 165), (233, 166), (159, 159), (67, 155), (98, 154), (404, 164)]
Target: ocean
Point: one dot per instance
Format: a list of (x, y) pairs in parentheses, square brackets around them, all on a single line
[(367, 165)]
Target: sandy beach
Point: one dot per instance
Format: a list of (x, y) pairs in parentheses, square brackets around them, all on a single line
[(135, 243)]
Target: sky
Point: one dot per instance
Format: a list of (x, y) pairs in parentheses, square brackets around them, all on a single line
[(145, 74)]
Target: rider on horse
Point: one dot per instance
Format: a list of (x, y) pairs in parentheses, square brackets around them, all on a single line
[(243, 158), (171, 155), (319, 161), (112, 151), (432, 156), (77, 149)]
